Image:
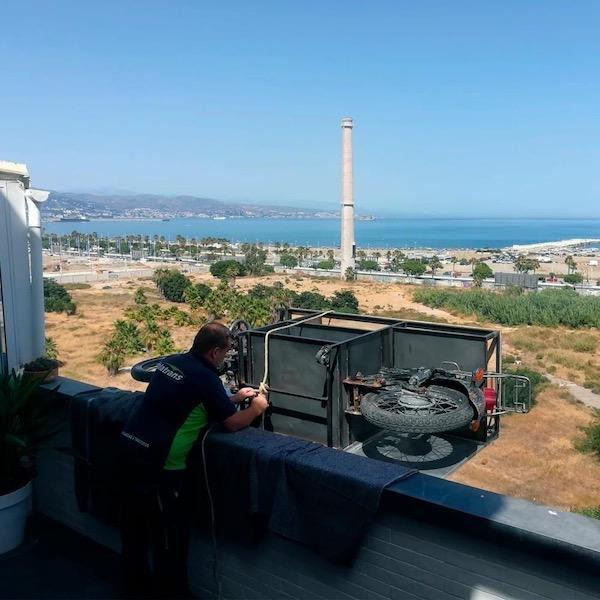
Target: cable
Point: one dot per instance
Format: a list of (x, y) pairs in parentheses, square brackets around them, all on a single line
[(212, 510), (263, 388)]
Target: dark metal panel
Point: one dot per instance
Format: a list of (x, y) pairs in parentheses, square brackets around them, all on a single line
[(301, 428), (421, 348), (366, 353), (444, 327), (321, 332), (293, 367), (300, 405)]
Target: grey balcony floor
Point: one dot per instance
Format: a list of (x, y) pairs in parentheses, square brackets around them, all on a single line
[(56, 562)]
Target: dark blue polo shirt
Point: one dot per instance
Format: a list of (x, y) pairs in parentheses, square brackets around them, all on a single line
[(184, 394)]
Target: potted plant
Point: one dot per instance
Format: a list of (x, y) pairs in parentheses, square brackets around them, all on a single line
[(25, 427), (43, 369)]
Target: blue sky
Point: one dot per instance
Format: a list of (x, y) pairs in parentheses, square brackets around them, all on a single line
[(460, 108)]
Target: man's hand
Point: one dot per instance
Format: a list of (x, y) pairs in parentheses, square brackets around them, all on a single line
[(243, 418), (245, 393), (260, 402)]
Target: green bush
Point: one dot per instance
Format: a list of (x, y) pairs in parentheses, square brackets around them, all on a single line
[(590, 511), (481, 271), (312, 300), (140, 296), (172, 283), (288, 260), (413, 267), (196, 294), (112, 356), (164, 344), (344, 301), (224, 269), (368, 265), (127, 335), (573, 278), (591, 440), (546, 308), (51, 349), (254, 261), (538, 383), (57, 298), (328, 264)]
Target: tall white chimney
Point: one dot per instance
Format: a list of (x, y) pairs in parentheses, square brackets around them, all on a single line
[(348, 247)]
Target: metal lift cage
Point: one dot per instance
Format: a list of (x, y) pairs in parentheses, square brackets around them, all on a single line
[(309, 398)]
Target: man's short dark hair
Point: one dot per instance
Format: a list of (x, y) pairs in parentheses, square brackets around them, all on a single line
[(212, 335)]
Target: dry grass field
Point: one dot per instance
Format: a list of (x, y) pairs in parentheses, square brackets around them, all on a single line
[(534, 457)]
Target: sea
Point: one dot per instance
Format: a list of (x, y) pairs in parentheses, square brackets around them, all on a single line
[(378, 233)]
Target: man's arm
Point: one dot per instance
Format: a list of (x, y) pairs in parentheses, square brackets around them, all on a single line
[(243, 418)]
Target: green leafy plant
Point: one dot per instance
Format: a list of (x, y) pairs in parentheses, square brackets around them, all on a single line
[(196, 294), (112, 355), (590, 442), (546, 308), (164, 343), (222, 269), (288, 260), (254, 260), (26, 426), (350, 274), (413, 267), (368, 264), (140, 296), (172, 283), (127, 334), (344, 301), (57, 298), (327, 264), (43, 363), (481, 271), (50, 348)]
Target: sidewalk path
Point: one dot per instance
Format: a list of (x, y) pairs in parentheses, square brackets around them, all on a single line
[(580, 393)]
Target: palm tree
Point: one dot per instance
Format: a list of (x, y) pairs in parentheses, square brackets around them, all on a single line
[(434, 264)]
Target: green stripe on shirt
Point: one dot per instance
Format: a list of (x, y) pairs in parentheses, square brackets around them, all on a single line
[(185, 437)]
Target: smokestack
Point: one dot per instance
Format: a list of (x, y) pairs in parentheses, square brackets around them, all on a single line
[(348, 247)]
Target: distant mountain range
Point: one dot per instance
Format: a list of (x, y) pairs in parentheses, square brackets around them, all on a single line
[(73, 205)]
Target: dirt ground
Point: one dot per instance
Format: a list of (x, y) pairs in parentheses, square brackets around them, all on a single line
[(532, 450)]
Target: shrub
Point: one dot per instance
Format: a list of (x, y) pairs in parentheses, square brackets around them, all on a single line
[(112, 356), (312, 300), (127, 335), (288, 260), (328, 264), (224, 269), (57, 298), (591, 440), (481, 271), (344, 301), (545, 308), (255, 259), (164, 343), (538, 383), (172, 283), (51, 349), (140, 296), (590, 511), (413, 267), (350, 274), (573, 278), (368, 265)]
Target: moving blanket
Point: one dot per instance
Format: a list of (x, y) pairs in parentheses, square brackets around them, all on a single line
[(322, 497)]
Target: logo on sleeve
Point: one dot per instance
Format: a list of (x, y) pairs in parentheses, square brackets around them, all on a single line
[(171, 371)]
